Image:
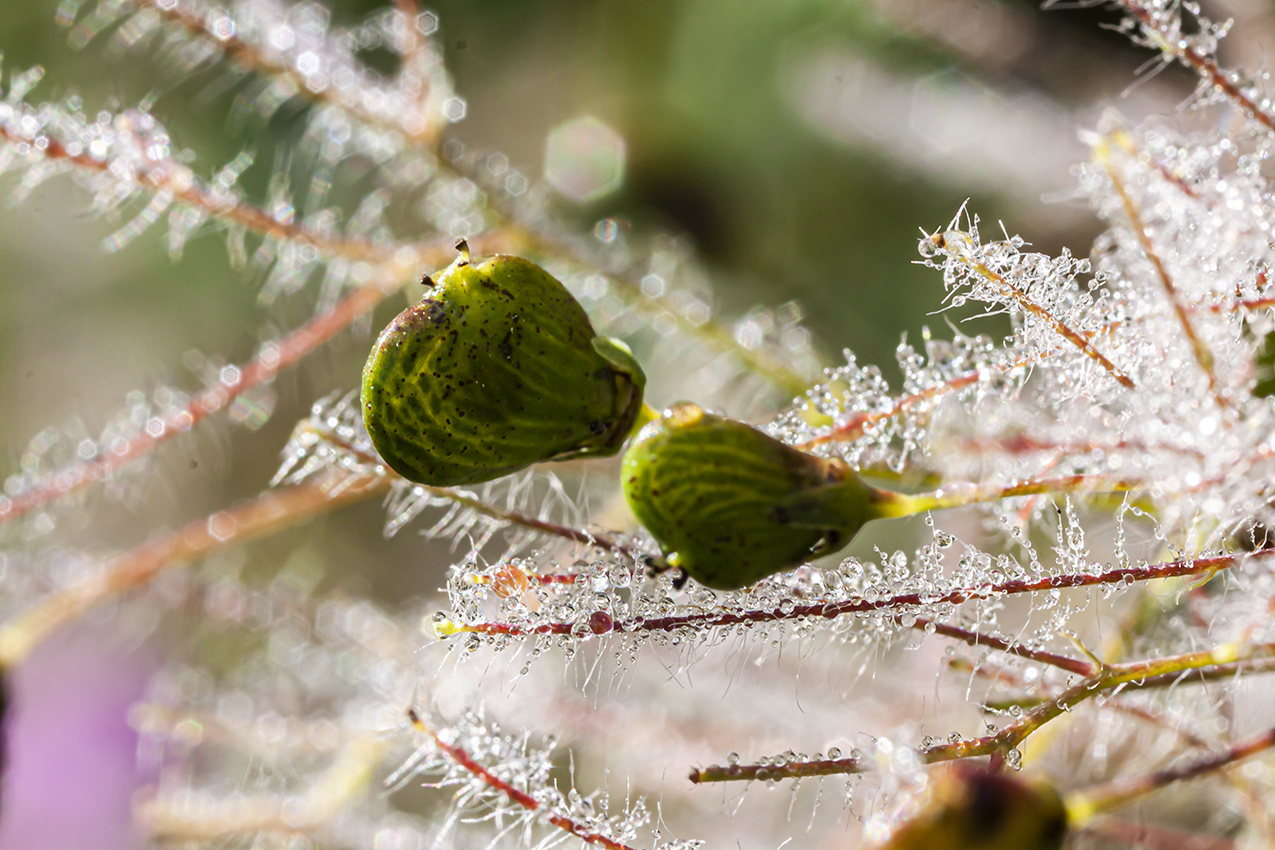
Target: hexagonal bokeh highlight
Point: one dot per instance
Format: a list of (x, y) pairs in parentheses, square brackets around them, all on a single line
[(584, 159)]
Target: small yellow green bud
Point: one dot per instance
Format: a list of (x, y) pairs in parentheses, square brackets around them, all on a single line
[(730, 504), (495, 369), (971, 808)]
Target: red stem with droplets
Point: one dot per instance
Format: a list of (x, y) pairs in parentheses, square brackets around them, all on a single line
[(514, 795)]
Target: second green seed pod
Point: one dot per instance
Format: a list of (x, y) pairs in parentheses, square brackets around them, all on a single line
[(730, 504)]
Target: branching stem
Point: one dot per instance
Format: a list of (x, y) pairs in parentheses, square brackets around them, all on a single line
[(1008, 738), (1173, 44), (1026, 302)]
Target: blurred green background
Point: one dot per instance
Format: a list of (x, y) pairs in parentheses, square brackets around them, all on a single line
[(799, 144)]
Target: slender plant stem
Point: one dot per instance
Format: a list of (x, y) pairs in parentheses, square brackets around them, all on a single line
[(176, 179), (1033, 308), (1171, 43), (272, 358), (960, 495), (1008, 738), (577, 535), (1087, 803), (856, 425), (265, 514), (976, 639), (515, 795), (910, 601), (251, 59), (1203, 356)]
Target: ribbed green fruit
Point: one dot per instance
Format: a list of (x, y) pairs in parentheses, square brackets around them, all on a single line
[(495, 369), (730, 504)]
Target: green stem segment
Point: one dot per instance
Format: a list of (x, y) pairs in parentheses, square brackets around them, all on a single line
[(890, 503), (645, 415)]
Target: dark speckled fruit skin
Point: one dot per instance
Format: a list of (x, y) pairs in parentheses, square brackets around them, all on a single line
[(731, 505), (495, 369)]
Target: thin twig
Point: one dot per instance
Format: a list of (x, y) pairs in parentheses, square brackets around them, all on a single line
[(997, 673), (1087, 803), (1008, 738), (577, 535), (272, 358), (178, 180), (915, 600), (515, 795), (253, 60), (1175, 45), (976, 639), (962, 494), (1203, 356), (856, 425), (1025, 301), (269, 512)]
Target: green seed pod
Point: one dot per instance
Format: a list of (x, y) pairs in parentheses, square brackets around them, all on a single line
[(730, 504), (495, 369), (971, 808)]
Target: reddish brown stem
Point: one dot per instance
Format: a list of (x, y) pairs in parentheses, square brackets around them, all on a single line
[(250, 59), (1202, 64), (641, 625), (1094, 800), (860, 421), (264, 514), (1203, 356), (856, 425), (577, 535), (1250, 304), (175, 178), (1029, 305), (973, 638), (514, 795), (273, 357)]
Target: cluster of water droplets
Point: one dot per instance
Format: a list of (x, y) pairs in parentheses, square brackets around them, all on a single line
[(331, 445), (299, 54), (65, 466), (523, 766), (309, 694)]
